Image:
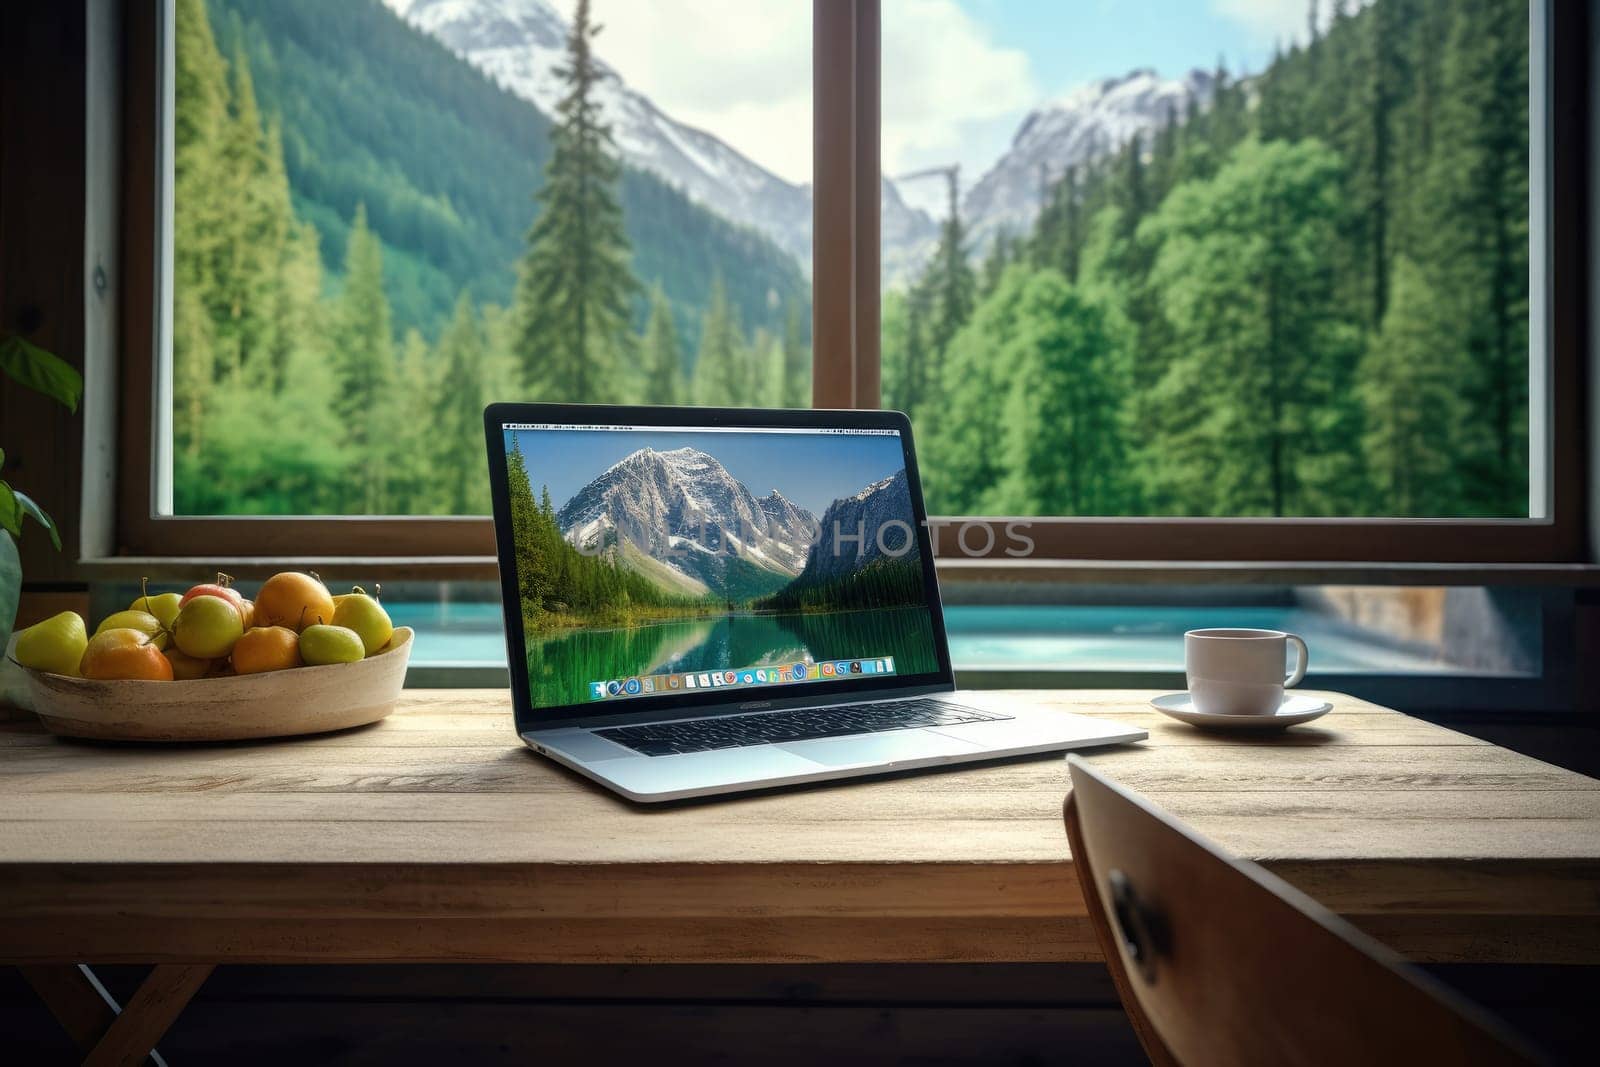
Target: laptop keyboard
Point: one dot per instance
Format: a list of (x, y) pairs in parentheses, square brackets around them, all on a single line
[(802, 724)]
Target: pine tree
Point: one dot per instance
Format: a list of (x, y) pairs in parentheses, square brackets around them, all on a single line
[(663, 356), (721, 372), (415, 473), (530, 546), (364, 364), (575, 282), (796, 361), (1063, 449), (1478, 183), (458, 416), (952, 289), (201, 94), (1245, 424), (1410, 387), (256, 225)]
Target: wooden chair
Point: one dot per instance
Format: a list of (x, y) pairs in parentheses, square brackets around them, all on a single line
[(1218, 962)]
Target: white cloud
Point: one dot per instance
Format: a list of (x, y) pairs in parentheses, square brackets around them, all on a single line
[(950, 93), (742, 70), (739, 69), (1274, 21)]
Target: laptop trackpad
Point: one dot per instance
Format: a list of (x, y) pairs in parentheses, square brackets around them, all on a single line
[(891, 746)]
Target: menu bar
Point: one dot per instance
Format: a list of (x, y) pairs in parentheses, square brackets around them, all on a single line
[(832, 430)]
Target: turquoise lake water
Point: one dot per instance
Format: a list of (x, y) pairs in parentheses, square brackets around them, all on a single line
[(1073, 638)]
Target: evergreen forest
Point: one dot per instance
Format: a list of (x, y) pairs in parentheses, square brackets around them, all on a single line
[(1308, 298), (371, 240)]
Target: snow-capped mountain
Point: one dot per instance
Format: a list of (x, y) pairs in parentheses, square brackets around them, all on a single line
[(700, 525), (856, 530), (520, 43), (1089, 122)]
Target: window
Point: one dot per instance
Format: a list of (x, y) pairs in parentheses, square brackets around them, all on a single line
[(1111, 347), (387, 213), (1124, 277)]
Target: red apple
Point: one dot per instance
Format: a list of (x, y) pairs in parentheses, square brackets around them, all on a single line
[(221, 588)]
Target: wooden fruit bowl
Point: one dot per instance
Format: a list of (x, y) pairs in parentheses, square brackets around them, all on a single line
[(305, 700)]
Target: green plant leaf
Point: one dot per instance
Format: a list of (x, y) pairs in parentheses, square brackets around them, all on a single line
[(40, 516), (32, 366), (10, 511)]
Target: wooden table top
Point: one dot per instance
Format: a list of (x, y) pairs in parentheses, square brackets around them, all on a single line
[(434, 836)]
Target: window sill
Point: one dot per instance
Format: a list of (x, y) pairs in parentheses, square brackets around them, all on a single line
[(1063, 572)]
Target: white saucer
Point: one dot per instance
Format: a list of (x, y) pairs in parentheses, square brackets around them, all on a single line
[(1294, 709)]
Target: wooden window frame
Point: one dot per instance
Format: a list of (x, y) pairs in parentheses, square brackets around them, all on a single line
[(846, 87)]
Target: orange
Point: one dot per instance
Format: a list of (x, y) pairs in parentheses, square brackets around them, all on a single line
[(294, 600), (266, 648), (247, 612), (124, 653)]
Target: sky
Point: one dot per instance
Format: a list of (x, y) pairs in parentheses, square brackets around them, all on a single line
[(812, 470), (959, 76)]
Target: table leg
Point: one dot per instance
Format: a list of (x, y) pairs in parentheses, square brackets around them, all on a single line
[(109, 1035), (79, 1003)]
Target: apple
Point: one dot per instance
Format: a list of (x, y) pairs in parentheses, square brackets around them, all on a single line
[(207, 627), (142, 621), (55, 645), (323, 643), (222, 589), (123, 653), (364, 615)]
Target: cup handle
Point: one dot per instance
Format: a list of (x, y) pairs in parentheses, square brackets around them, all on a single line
[(1302, 657)]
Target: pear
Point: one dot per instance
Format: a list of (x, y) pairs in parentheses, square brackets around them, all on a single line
[(55, 645), (164, 606), (364, 615), (142, 621)]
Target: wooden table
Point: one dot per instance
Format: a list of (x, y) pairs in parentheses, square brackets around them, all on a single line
[(434, 837)]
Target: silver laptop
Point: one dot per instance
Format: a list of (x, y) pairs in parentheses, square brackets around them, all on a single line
[(706, 600)]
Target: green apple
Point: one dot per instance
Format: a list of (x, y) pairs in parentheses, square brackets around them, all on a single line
[(323, 643), (207, 627), (55, 645), (163, 606), (142, 621), (366, 617)]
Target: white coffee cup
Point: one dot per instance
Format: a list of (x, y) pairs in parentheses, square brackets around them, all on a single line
[(1240, 672)]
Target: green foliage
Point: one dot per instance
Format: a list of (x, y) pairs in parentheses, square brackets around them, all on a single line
[(1242, 272), (1063, 445), (663, 357), (458, 416), (347, 190), (560, 586), (721, 372), (574, 283), (884, 583), (44, 372), (374, 112), (1309, 298)]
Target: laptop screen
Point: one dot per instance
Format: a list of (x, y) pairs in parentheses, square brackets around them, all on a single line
[(719, 562)]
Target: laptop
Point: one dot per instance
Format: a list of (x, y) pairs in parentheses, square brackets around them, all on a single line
[(707, 600)]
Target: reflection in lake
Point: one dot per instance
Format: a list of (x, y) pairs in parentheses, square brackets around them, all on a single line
[(560, 667)]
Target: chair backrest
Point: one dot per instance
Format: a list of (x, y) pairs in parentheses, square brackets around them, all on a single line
[(1219, 962)]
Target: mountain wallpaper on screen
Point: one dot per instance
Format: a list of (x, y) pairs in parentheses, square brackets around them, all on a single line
[(670, 533)]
